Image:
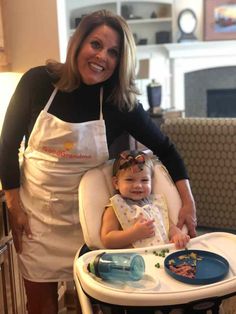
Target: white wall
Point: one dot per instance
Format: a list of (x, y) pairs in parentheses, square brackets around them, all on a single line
[(31, 32)]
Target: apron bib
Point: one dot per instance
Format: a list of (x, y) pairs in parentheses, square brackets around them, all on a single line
[(57, 155)]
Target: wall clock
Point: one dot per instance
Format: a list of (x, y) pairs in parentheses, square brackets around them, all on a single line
[(187, 23)]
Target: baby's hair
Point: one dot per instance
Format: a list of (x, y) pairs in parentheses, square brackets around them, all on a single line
[(130, 158)]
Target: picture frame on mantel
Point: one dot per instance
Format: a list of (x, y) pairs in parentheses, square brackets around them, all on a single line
[(219, 19)]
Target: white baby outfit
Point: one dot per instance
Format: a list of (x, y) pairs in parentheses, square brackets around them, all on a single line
[(153, 207)]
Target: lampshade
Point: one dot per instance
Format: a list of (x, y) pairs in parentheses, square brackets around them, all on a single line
[(8, 82)]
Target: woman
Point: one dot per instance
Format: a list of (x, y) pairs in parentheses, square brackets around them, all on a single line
[(69, 113)]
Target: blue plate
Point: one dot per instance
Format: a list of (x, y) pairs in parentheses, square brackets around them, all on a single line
[(210, 267)]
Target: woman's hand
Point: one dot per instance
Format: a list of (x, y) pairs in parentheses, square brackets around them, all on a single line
[(187, 213), (187, 216), (17, 217)]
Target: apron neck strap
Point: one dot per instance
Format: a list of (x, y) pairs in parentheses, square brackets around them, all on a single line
[(55, 91), (50, 99), (101, 101)]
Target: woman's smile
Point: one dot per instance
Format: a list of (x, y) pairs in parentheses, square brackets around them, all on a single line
[(96, 67)]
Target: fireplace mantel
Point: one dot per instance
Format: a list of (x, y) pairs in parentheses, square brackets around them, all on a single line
[(201, 49), (194, 56)]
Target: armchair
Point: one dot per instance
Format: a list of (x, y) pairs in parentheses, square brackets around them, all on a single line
[(208, 147)]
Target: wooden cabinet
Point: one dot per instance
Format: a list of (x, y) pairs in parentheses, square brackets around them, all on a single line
[(11, 302), (12, 297), (5, 283), (18, 293)]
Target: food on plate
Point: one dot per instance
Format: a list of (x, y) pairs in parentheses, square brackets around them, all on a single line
[(188, 267), (184, 269)]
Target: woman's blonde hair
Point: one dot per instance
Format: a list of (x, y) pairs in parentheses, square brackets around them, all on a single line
[(124, 91)]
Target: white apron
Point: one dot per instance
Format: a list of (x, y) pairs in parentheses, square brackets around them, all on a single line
[(57, 155)]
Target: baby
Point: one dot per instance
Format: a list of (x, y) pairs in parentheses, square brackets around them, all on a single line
[(135, 217)]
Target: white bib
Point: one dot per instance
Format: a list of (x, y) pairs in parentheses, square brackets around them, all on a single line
[(156, 209)]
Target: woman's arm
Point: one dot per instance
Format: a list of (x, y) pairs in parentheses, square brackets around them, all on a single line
[(152, 137), (18, 218), (187, 213), (113, 237)]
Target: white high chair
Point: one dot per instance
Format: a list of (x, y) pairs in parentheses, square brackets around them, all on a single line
[(94, 192)]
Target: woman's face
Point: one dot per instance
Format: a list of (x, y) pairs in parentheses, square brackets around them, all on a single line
[(99, 55)]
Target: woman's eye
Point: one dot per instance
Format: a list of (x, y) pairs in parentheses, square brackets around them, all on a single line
[(114, 53), (145, 180), (95, 44)]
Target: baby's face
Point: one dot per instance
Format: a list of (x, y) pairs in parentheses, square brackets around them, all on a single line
[(134, 185)]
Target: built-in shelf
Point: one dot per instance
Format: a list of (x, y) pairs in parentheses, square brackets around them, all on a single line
[(154, 20), (153, 25)]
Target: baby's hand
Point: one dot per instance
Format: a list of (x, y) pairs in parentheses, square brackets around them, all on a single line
[(144, 228), (180, 239)]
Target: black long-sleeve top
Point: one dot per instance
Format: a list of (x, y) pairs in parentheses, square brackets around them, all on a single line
[(80, 105)]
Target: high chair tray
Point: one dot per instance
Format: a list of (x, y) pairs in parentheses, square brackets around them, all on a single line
[(157, 287)]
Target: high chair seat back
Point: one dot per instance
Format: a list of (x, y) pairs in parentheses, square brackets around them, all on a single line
[(96, 188)]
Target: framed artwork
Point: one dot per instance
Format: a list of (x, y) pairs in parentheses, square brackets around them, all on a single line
[(219, 19)]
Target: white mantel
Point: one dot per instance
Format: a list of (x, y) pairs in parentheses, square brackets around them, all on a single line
[(194, 56)]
